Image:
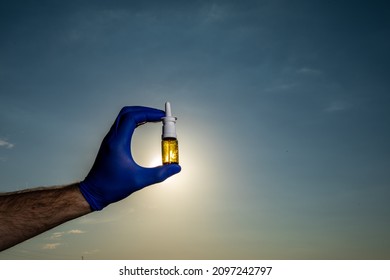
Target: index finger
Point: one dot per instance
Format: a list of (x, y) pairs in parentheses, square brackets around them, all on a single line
[(131, 117)]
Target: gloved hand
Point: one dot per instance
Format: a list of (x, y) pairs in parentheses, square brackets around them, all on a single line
[(115, 175)]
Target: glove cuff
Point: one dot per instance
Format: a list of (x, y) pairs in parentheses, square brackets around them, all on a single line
[(93, 203)]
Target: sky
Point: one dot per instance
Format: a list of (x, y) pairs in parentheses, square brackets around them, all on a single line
[(283, 124)]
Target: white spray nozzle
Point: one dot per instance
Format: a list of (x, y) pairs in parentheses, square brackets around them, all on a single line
[(169, 123), (168, 112)]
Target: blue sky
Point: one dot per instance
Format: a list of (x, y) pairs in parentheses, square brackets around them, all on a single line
[(283, 124)]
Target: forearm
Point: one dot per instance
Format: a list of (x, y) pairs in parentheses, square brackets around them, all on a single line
[(29, 213)]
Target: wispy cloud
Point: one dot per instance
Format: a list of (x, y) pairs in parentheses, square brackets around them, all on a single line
[(6, 144), (335, 106), (60, 234), (214, 13), (75, 231), (56, 235), (51, 246), (309, 71)]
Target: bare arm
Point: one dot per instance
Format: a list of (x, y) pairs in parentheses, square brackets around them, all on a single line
[(28, 213), (113, 177)]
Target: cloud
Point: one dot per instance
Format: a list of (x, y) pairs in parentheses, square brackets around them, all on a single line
[(281, 87), (60, 234), (56, 235), (214, 13), (6, 144), (309, 71), (75, 231), (51, 246), (335, 106)]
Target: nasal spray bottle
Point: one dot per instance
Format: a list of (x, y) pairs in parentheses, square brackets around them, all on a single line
[(169, 143)]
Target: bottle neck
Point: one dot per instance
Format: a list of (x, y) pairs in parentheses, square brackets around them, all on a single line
[(168, 138), (169, 127)]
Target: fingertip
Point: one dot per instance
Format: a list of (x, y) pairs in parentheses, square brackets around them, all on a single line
[(173, 169), (147, 114), (163, 172), (131, 117)]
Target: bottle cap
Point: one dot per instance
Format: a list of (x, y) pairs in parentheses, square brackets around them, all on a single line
[(169, 123)]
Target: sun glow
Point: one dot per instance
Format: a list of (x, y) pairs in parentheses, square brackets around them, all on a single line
[(155, 161)]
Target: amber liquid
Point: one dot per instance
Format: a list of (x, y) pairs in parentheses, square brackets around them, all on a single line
[(170, 151)]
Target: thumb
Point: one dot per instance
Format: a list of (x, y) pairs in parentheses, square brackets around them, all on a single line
[(161, 173)]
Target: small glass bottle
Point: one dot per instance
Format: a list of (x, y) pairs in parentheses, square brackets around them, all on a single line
[(169, 143)]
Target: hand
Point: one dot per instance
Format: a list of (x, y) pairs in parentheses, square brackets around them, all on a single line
[(115, 175)]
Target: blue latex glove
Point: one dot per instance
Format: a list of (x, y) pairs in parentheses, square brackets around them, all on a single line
[(115, 175)]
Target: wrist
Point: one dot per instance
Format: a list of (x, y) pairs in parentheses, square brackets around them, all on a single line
[(88, 196), (81, 200)]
